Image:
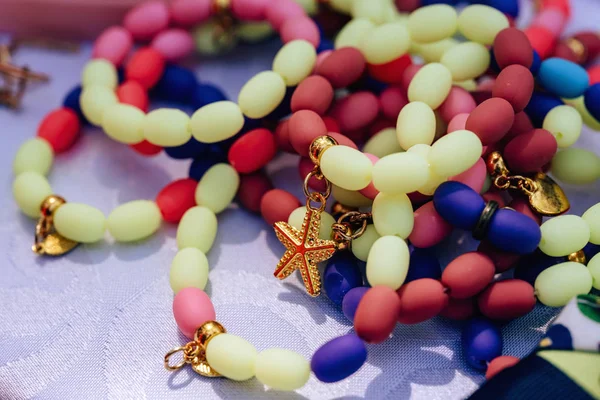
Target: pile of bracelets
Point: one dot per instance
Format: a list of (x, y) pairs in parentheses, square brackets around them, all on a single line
[(413, 131)]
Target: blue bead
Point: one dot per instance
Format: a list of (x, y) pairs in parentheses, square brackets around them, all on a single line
[(509, 7), (373, 85), (341, 274), (201, 165), (493, 63), (250, 124), (590, 250), (72, 101), (458, 204), (592, 100), (560, 337), (284, 108), (191, 149), (563, 78), (536, 63), (204, 94), (514, 232), (121, 75), (431, 2), (339, 358), (324, 45), (351, 301), (481, 342), (423, 264), (529, 267), (176, 84), (540, 105)]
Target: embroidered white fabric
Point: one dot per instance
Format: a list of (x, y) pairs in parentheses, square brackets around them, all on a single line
[(95, 324)]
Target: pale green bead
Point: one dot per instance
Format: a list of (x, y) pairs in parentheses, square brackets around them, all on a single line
[(350, 198), (343, 6), (296, 219), (400, 173), (254, 31), (80, 222), (565, 123), (564, 235), (218, 187), (477, 54), (441, 126), (123, 123), (431, 85), (556, 285), (385, 43), (231, 356), (361, 246), (197, 228), (421, 149), (594, 269), (383, 143), (470, 85), (261, 94), (282, 369), (592, 218), (217, 121), (432, 23), (373, 10), (208, 42), (433, 52), (99, 72), (94, 100), (346, 167), (481, 23), (134, 220), (29, 190), (432, 183), (588, 119), (310, 6), (295, 61), (167, 127), (353, 33), (576, 166), (393, 215), (388, 261), (188, 269), (455, 153), (415, 125), (34, 155)]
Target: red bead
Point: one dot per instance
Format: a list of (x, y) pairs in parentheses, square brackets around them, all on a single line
[(146, 66), (468, 274), (515, 85), (392, 71), (541, 39), (252, 189), (521, 124), (305, 165), (407, 5), (530, 151), (491, 120), (459, 309), (277, 205), (563, 6), (594, 73), (506, 300), (315, 93), (343, 140), (511, 46), (176, 198), (252, 151), (356, 111), (132, 93), (60, 128), (304, 127), (342, 67), (421, 300), (331, 124), (146, 148), (391, 101), (563, 50), (499, 364), (376, 314)]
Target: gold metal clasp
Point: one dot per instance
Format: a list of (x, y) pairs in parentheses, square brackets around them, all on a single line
[(350, 226), (46, 240)]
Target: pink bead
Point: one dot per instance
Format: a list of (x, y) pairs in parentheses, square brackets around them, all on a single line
[(356, 111), (190, 12), (321, 57), (304, 167), (370, 191), (331, 124), (300, 27), (474, 177), (486, 85), (430, 228), (113, 45), (551, 19), (277, 205), (282, 10), (391, 101), (343, 140), (305, 126), (282, 137), (147, 19), (458, 123), (173, 44), (459, 101), (191, 308), (409, 73), (250, 10)]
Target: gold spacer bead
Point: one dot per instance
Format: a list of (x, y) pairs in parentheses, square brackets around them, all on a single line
[(578, 48), (51, 204), (318, 147), (207, 331), (578, 257)]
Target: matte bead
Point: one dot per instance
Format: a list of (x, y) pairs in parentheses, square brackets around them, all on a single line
[(340, 276), (390, 72), (134, 220), (71, 101), (339, 358), (304, 126), (491, 120), (513, 232), (507, 300), (205, 93), (356, 111), (277, 205), (174, 44), (252, 151), (539, 105), (80, 222), (511, 46), (429, 227), (147, 19), (35, 155), (563, 78), (421, 300), (314, 93), (198, 228), (203, 163), (352, 300), (481, 342), (282, 369), (564, 235), (252, 189), (376, 314), (499, 364), (29, 191), (530, 151), (592, 100), (133, 93), (231, 356), (459, 309), (146, 67), (192, 308), (217, 187), (423, 264), (388, 262), (176, 198), (189, 268), (458, 204), (468, 274), (530, 266), (113, 44), (342, 67), (176, 84), (515, 85), (146, 148), (557, 285)]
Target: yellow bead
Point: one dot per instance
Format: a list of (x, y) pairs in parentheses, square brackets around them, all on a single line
[(431, 85), (592, 218), (433, 52), (123, 123), (481, 23), (282, 369), (388, 261), (296, 219), (556, 285), (218, 187), (564, 235), (353, 33), (217, 121), (80, 222), (350, 198), (565, 123), (197, 228), (134, 220), (576, 166), (100, 72), (383, 143), (385, 43), (295, 61), (393, 215), (346, 167), (432, 23), (261, 94), (455, 153), (167, 127), (415, 125), (29, 190), (362, 245), (477, 56), (373, 10), (35, 155), (188, 269), (231, 356), (594, 269), (400, 173), (94, 100), (343, 6)]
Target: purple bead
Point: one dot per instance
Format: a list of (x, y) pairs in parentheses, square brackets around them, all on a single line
[(529, 267), (339, 358), (423, 264), (341, 275), (351, 300), (458, 204), (481, 342), (514, 232)]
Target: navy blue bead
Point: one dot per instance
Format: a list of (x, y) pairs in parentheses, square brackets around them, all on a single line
[(590, 250), (509, 7), (351, 301), (564, 78), (202, 164), (458, 204), (535, 65), (481, 342), (121, 75), (176, 84), (560, 337), (72, 101), (423, 264), (529, 267), (191, 149), (284, 108), (325, 44), (514, 232), (205, 93), (592, 100), (341, 274), (540, 105), (493, 63), (250, 124), (373, 85), (339, 358)]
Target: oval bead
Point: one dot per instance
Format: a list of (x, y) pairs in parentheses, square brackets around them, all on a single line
[(296, 219), (376, 314), (530, 151), (576, 166), (173, 44), (459, 101), (356, 111), (231, 356), (99, 72), (146, 67), (511, 46), (350, 198), (393, 215), (383, 143), (385, 43), (282, 369), (499, 364), (454, 59), (80, 222), (123, 123), (147, 19), (468, 274), (458, 204), (198, 228), (420, 300), (362, 245), (400, 173), (132, 93), (388, 262), (557, 285), (506, 300), (429, 227), (592, 218), (481, 342), (346, 167), (481, 23), (295, 61), (515, 85), (218, 187), (166, 127), (343, 66), (252, 189), (432, 23), (60, 128), (176, 198), (459, 309), (314, 93), (565, 123), (339, 358), (261, 94), (277, 205), (94, 100), (564, 235), (513, 232), (189, 268), (35, 155), (594, 269), (491, 120), (352, 34), (217, 121), (415, 125), (252, 151), (134, 220), (431, 85), (341, 273), (304, 126), (563, 78), (352, 300), (113, 44), (29, 191), (192, 308), (455, 153)]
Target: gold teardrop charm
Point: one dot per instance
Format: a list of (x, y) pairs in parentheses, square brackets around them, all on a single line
[(47, 240), (548, 198)]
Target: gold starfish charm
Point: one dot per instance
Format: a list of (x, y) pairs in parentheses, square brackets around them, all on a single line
[(304, 250)]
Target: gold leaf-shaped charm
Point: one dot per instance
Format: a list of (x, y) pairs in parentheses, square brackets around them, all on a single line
[(55, 245), (548, 198), (200, 366)]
